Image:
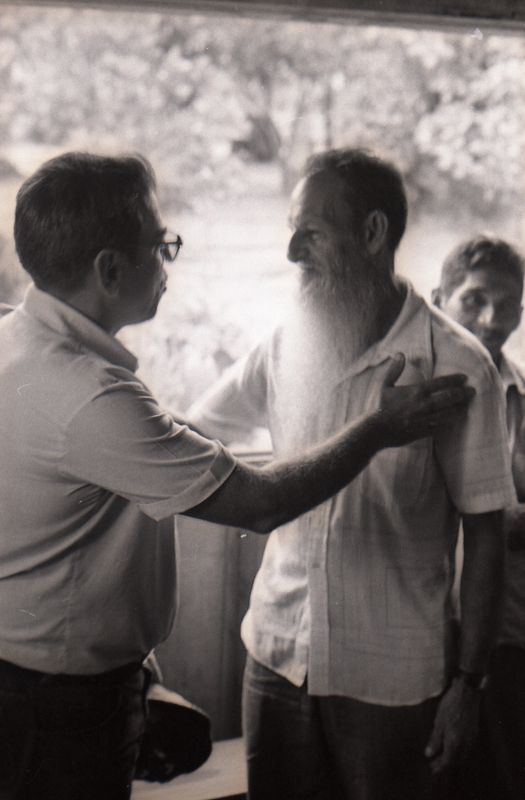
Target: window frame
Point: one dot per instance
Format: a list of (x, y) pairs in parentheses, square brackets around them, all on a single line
[(497, 15)]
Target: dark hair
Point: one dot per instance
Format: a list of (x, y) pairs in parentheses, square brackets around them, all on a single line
[(477, 253), (370, 184), (73, 207)]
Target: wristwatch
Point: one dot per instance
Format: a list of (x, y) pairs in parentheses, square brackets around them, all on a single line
[(474, 680)]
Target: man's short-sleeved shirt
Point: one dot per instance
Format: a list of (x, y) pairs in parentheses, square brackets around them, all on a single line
[(92, 472), (356, 593), (512, 630)]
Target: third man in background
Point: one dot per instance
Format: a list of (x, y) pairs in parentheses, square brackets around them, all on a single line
[(481, 288)]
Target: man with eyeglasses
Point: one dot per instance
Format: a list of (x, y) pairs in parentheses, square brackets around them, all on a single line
[(92, 472)]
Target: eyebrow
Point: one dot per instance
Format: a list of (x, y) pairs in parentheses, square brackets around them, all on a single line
[(161, 232)]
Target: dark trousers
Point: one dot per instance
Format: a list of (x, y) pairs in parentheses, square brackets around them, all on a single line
[(69, 737), (301, 747), (497, 767)]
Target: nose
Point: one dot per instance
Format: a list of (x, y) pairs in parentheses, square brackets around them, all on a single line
[(296, 247), (488, 318)]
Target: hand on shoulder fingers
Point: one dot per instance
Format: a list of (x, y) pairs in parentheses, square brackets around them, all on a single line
[(455, 726), (416, 410)]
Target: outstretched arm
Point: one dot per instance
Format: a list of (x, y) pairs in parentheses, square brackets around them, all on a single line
[(262, 499)]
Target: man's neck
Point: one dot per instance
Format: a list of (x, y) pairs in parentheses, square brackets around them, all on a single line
[(388, 307), (86, 303)]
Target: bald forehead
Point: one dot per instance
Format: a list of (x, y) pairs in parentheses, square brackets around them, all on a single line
[(321, 196)]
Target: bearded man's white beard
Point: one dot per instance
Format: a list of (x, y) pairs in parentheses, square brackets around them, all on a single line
[(342, 313), (330, 324)]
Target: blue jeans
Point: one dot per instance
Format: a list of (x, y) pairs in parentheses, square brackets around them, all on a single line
[(69, 738), (302, 747)]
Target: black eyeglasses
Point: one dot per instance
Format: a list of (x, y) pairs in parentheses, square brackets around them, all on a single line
[(168, 250)]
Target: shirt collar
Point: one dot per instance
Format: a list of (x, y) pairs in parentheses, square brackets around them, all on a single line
[(410, 334), (69, 322), (511, 375)]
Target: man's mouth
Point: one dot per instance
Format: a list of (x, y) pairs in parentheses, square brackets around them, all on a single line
[(306, 266)]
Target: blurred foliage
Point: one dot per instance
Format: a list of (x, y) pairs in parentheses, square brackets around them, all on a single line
[(449, 108), (187, 348)]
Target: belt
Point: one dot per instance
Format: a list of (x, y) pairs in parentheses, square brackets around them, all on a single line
[(32, 677)]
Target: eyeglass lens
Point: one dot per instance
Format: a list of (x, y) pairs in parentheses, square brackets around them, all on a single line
[(170, 249)]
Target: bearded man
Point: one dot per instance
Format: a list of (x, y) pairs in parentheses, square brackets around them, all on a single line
[(354, 687)]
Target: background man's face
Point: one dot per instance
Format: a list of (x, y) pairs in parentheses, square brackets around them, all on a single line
[(488, 304)]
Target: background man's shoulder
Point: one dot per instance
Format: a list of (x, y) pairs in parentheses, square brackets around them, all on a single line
[(517, 369), (457, 350), (5, 309)]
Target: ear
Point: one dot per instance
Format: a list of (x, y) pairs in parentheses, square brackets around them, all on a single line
[(375, 231), (436, 297), (108, 267)]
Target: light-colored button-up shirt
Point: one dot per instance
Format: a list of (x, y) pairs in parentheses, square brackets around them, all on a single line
[(91, 473), (356, 593), (513, 619)]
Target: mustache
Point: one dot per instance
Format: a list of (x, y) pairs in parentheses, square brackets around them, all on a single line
[(337, 283)]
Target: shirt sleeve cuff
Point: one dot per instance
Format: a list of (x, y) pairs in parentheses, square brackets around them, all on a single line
[(493, 501), (220, 469)]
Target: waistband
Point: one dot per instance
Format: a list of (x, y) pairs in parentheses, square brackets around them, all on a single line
[(32, 677)]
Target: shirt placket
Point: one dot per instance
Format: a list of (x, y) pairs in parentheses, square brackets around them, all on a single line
[(335, 417)]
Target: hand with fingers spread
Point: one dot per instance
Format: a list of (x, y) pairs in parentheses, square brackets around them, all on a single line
[(417, 410)]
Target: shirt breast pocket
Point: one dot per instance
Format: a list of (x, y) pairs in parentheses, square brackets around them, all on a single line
[(399, 476)]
